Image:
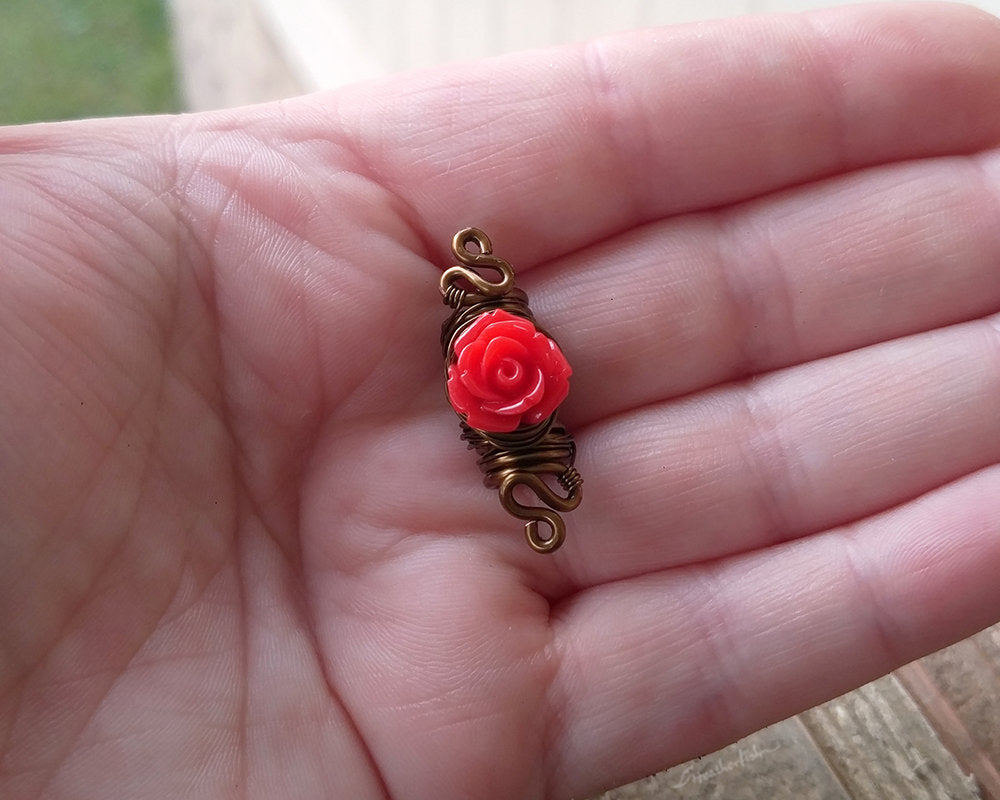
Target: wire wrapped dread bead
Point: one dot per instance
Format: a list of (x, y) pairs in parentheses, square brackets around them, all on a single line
[(505, 379)]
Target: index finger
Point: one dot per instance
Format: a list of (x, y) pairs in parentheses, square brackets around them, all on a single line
[(556, 149)]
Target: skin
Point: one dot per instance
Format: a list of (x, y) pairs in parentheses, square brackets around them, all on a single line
[(243, 553)]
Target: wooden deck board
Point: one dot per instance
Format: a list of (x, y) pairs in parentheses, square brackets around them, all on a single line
[(930, 731), (777, 762), (958, 690), (883, 748)]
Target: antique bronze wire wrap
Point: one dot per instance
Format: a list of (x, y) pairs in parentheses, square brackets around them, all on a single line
[(526, 455)]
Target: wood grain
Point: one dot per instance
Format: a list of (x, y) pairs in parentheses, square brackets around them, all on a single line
[(781, 761), (958, 690), (930, 731), (883, 748)]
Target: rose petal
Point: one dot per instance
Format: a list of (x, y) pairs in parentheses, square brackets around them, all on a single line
[(553, 358), (470, 369), (508, 375), (497, 315), (556, 390), (523, 403), (493, 423), (462, 400), (498, 351), (502, 346), (471, 333), (525, 328), (535, 416)]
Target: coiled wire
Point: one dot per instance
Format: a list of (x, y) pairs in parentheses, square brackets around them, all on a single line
[(524, 456)]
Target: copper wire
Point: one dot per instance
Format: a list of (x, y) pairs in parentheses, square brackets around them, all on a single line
[(530, 453)]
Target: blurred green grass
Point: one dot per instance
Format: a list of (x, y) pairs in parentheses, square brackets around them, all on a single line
[(66, 59)]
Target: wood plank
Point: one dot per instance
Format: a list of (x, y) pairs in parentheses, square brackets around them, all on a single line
[(778, 763), (989, 641), (958, 690), (882, 748), (930, 730)]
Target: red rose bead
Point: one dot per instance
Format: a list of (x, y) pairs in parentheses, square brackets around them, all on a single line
[(505, 373)]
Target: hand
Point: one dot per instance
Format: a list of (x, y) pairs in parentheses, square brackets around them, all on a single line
[(245, 554)]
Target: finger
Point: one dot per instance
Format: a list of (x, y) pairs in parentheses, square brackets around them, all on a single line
[(563, 147), (657, 670), (788, 454), (697, 300)]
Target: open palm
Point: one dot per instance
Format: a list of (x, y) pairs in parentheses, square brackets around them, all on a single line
[(243, 552)]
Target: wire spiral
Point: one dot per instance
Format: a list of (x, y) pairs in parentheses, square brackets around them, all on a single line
[(527, 455)]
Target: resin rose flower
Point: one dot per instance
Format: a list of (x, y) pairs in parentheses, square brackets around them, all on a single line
[(505, 373)]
